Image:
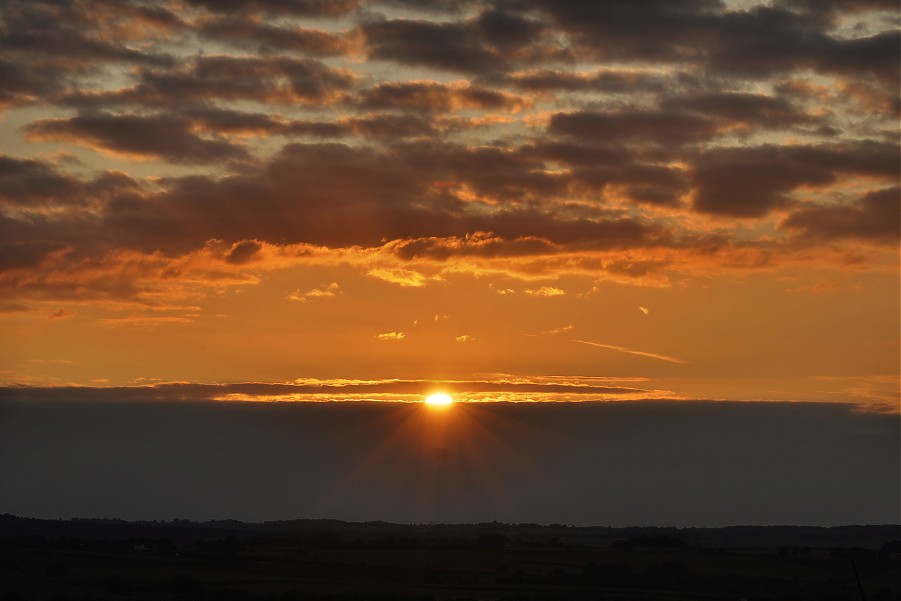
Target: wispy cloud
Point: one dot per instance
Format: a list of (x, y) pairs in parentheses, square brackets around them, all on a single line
[(553, 331), (401, 277), (325, 291), (621, 349), (391, 336), (545, 291)]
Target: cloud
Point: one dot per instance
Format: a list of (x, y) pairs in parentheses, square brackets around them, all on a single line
[(14, 308), (144, 137), (433, 96), (137, 319), (608, 80), (391, 336), (526, 139), (33, 183), (243, 252), (324, 291), (741, 111), (560, 330), (225, 78), (875, 217), (753, 42), (401, 277), (492, 42), (297, 8), (752, 181), (545, 291), (333, 389), (621, 349), (657, 126), (249, 33)]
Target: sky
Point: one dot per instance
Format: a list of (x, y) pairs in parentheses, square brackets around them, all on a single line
[(508, 200)]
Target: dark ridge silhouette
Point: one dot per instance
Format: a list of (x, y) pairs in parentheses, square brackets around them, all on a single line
[(332, 560)]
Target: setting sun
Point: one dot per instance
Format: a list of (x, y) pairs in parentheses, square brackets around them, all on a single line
[(439, 400)]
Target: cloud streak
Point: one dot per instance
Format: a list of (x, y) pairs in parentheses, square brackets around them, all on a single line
[(621, 349)]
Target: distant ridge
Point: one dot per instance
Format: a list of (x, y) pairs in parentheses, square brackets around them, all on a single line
[(870, 536)]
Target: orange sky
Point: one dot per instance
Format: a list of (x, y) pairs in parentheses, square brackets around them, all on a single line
[(536, 200)]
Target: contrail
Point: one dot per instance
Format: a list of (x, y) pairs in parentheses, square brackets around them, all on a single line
[(631, 352)]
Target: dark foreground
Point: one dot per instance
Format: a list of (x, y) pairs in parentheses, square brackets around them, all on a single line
[(329, 560)]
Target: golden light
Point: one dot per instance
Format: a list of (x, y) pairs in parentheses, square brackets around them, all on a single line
[(439, 399)]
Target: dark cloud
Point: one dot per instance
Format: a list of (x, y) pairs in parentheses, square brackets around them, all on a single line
[(20, 84), (434, 96), (739, 110), (662, 104), (624, 30), (32, 183), (752, 181), (223, 78), (162, 137), (876, 217), (764, 41), (245, 124), (437, 6), (45, 46), (452, 46), (248, 33), (832, 7), (25, 254), (14, 308), (756, 42), (845, 6), (610, 81), (647, 183), (76, 31), (387, 127), (506, 29), (490, 43), (303, 196), (243, 251), (298, 8), (655, 126), (682, 120)]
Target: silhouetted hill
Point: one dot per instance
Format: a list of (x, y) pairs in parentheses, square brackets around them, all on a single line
[(330, 560), (732, 537)]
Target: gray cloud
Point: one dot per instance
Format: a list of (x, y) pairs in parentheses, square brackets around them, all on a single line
[(875, 217), (434, 96), (207, 79), (752, 181), (299, 8), (154, 136), (488, 44), (251, 34), (601, 105)]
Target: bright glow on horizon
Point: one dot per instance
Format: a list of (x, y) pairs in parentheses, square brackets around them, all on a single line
[(439, 399)]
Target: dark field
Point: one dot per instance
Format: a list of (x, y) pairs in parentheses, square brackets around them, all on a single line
[(320, 559)]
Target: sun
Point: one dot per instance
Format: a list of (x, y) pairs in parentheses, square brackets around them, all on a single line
[(439, 399)]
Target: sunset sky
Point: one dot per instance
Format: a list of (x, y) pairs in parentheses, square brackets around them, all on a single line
[(532, 199)]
